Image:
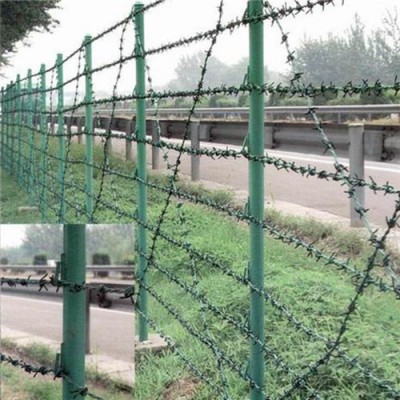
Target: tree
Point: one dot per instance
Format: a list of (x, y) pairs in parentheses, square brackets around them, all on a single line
[(19, 18), (46, 239), (116, 240), (217, 73), (354, 57)]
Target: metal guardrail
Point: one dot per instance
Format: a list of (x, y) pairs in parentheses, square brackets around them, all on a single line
[(270, 112), (50, 268)]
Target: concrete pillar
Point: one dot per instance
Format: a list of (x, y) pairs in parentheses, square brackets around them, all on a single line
[(195, 144), (68, 121), (373, 144), (269, 136), (204, 132), (128, 141), (80, 121), (108, 127), (155, 151), (52, 124), (356, 161)]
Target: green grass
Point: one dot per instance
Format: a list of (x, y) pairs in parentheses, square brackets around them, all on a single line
[(45, 387), (13, 197), (317, 294), (17, 385)]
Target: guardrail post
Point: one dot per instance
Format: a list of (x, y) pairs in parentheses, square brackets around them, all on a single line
[(68, 123), (195, 145), (356, 161), (52, 124), (374, 144), (61, 138), (74, 312), (269, 136), (43, 141), (128, 141), (79, 122), (141, 169), (256, 201), (155, 151), (89, 125)]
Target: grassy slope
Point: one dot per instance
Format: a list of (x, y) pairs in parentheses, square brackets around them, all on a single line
[(317, 294)]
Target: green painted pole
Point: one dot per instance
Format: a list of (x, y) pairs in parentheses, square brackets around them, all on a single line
[(12, 126), (29, 123), (6, 128), (74, 312), (43, 139), (19, 128), (9, 127), (256, 200), (89, 126), (60, 133), (141, 169), (2, 124)]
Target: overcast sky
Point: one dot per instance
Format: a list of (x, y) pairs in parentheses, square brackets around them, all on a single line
[(168, 22), (11, 235)]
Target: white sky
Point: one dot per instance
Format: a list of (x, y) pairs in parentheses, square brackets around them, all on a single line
[(11, 235), (168, 22)]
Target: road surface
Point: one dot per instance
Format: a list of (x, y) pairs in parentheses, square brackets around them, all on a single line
[(112, 331), (290, 187)]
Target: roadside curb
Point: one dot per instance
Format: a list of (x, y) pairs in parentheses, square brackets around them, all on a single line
[(118, 371)]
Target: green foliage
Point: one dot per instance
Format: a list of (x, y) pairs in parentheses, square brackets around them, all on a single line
[(345, 243), (40, 353), (316, 293), (222, 101), (45, 239), (218, 73), (274, 100), (3, 261), (19, 18), (353, 57), (40, 259), (101, 259)]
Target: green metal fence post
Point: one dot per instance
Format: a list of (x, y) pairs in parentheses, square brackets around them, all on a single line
[(6, 129), (61, 138), (89, 125), (141, 168), (30, 126), (9, 127), (256, 199), (43, 139), (74, 312), (19, 127), (12, 127), (2, 125)]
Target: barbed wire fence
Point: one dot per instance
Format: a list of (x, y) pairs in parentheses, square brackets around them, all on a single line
[(84, 182)]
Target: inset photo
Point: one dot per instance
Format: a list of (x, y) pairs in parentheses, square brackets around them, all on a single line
[(67, 309)]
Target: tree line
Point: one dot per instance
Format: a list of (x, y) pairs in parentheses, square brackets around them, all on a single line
[(357, 56), (118, 241)]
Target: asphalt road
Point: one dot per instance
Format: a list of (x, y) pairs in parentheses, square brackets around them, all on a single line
[(290, 187), (112, 331)]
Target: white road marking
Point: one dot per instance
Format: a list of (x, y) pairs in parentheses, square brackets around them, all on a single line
[(309, 159)]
